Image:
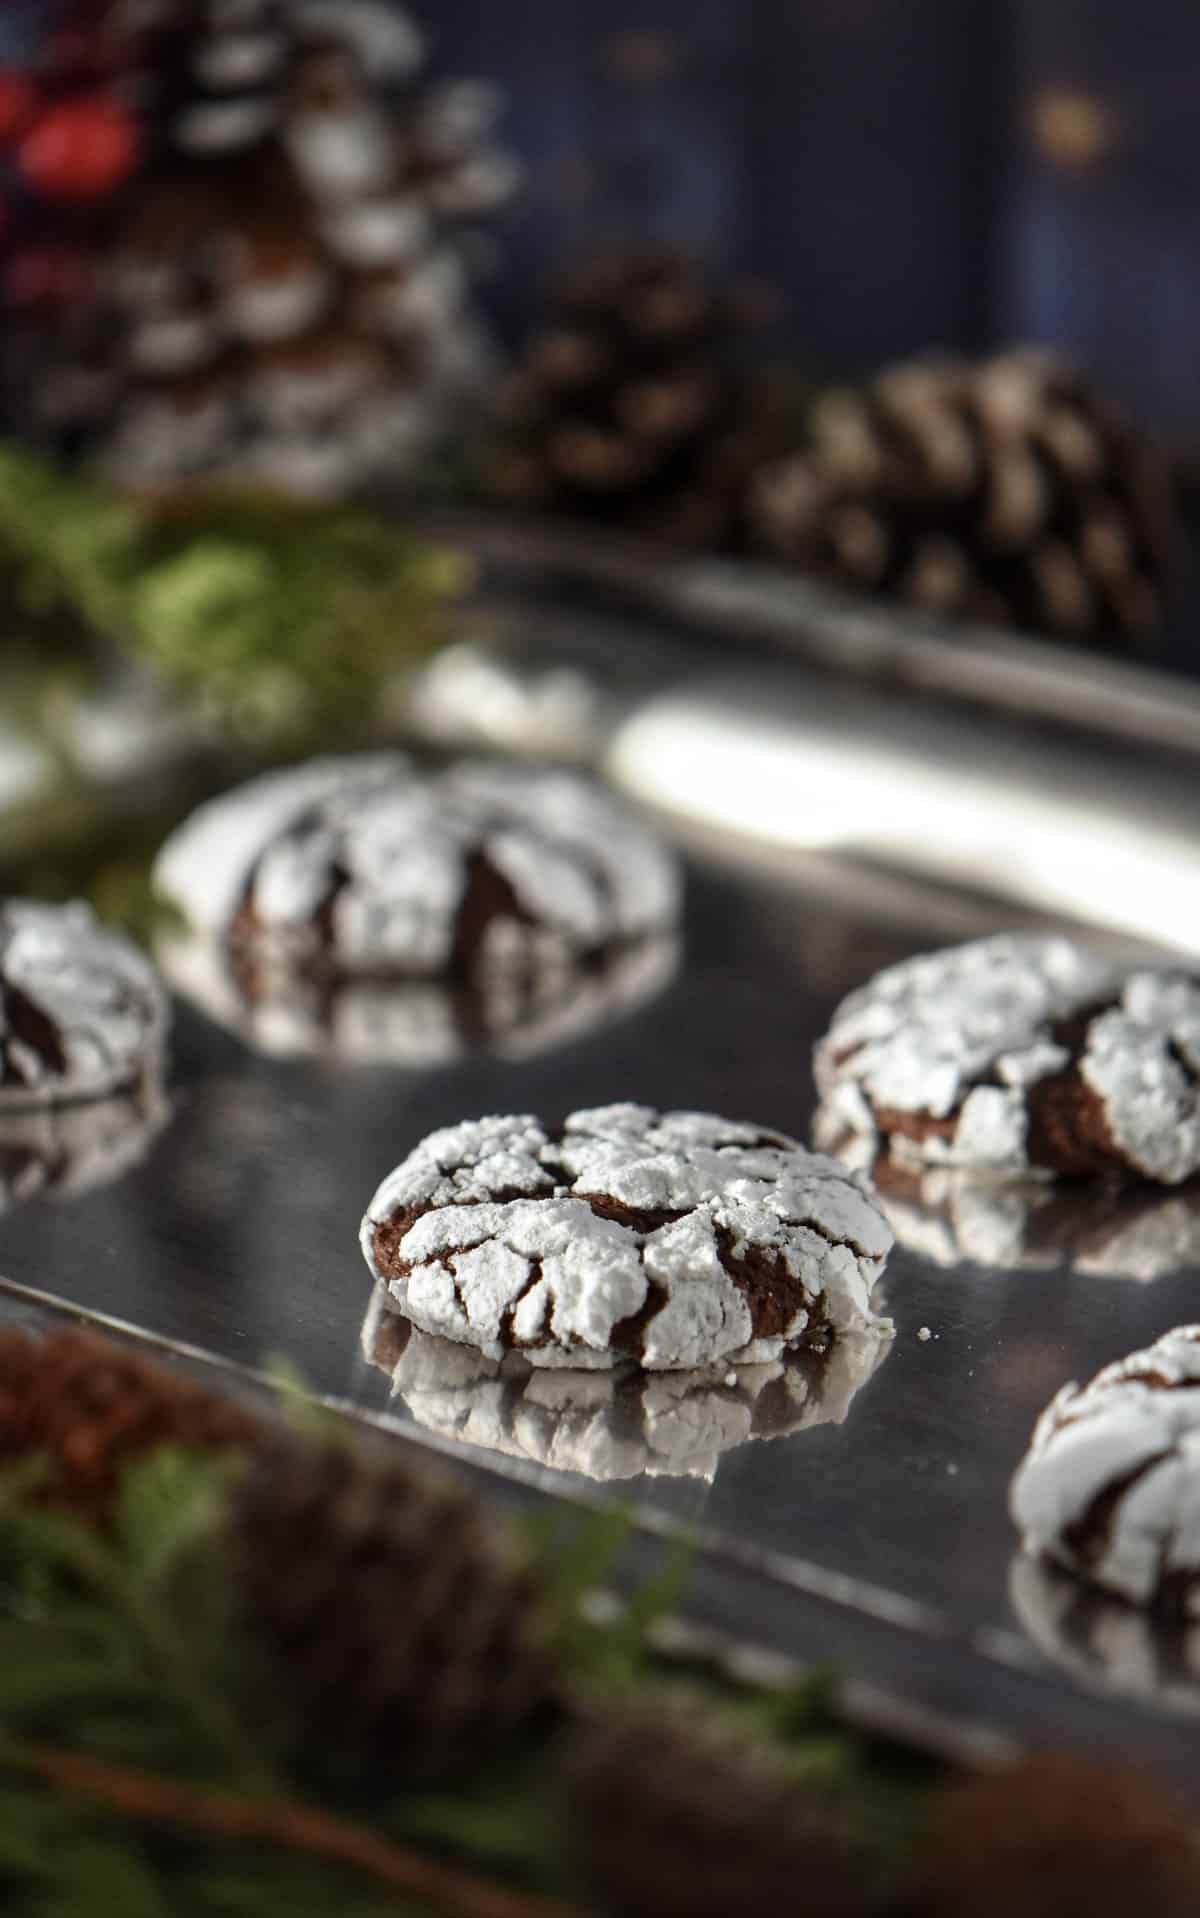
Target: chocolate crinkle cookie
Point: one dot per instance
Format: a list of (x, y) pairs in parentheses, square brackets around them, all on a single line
[(1021, 1053), (375, 866), (82, 1012), (675, 1239), (1110, 1486)]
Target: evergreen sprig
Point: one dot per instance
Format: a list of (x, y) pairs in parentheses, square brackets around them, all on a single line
[(135, 1781), (281, 622), (124, 1740)]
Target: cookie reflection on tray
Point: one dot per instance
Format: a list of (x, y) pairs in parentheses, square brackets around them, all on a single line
[(417, 1022), (614, 1424), (60, 1151), (955, 1217), (1103, 1641)]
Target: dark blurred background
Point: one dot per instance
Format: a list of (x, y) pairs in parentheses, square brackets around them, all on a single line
[(276, 245), (906, 172)]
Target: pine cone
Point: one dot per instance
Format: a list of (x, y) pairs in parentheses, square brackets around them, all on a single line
[(1008, 490), (665, 1823), (284, 297), (1058, 1837), (398, 1630), (628, 405), (89, 1406)]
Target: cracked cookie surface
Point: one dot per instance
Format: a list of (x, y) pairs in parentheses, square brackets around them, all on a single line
[(82, 1011), (1110, 1486), (1021, 1053), (674, 1239), (371, 865)]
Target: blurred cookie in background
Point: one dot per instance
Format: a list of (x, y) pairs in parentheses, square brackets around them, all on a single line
[(82, 1011), (1110, 1485), (379, 910), (373, 865), (1022, 1053)]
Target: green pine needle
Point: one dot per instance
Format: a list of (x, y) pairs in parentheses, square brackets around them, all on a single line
[(282, 624), (305, 1414), (166, 1502), (124, 1647)]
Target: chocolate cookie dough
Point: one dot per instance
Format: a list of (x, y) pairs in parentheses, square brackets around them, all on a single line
[(674, 1239), (82, 1012), (371, 866), (1021, 1053), (1110, 1486)]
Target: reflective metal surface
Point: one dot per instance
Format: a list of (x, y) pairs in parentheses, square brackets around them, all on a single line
[(855, 1515), (619, 1424), (872, 1529), (749, 606), (809, 762)]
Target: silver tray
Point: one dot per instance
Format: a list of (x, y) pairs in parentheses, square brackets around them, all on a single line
[(858, 1518)]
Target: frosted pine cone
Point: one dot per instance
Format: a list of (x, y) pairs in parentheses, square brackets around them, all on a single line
[(285, 294), (1008, 490)]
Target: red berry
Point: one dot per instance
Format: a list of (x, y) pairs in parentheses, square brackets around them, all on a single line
[(18, 98), (80, 150)]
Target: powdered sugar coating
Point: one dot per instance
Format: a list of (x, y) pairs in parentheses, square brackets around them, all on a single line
[(1110, 1486), (678, 1238), (950, 1055), (376, 861), (1142, 1059), (82, 1012)]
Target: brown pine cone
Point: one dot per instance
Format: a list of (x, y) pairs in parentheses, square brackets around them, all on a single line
[(629, 405), (1008, 490), (385, 1609), (663, 1822), (89, 1407), (1058, 1837)]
